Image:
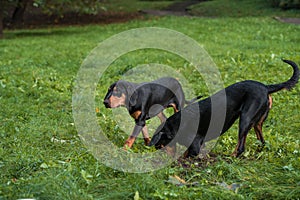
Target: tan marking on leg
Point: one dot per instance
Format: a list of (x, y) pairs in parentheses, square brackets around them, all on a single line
[(170, 150), (186, 153), (161, 117), (147, 141), (136, 114), (145, 132), (235, 153), (129, 142), (270, 102), (258, 129), (174, 107), (146, 135)]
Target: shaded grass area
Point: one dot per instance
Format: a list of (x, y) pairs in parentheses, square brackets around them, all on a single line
[(236, 8), (135, 5), (42, 157), (106, 12)]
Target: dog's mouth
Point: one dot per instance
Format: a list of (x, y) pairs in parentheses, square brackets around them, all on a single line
[(106, 104), (159, 146)]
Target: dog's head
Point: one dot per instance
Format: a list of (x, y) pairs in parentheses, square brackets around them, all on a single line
[(115, 96), (162, 137), (121, 93)]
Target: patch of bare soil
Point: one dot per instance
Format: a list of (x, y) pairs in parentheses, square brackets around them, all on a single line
[(177, 9), (42, 20), (34, 19), (288, 20)]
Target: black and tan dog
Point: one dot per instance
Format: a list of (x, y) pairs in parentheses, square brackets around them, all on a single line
[(250, 101), (144, 101)]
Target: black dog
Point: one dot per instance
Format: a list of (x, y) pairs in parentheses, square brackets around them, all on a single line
[(248, 100), (144, 101)]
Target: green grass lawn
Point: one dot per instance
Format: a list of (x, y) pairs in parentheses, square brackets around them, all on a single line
[(42, 156)]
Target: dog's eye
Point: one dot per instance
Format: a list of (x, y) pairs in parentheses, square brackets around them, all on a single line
[(110, 89), (117, 93)]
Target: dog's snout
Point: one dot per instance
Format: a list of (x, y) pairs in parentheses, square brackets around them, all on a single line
[(106, 103)]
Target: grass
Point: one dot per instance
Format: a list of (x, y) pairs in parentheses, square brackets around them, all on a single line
[(236, 8), (42, 156)]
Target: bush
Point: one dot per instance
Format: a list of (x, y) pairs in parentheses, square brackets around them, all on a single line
[(286, 4), (157, 0)]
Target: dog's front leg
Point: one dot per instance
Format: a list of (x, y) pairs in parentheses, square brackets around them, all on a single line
[(194, 148), (146, 135), (140, 124), (129, 142)]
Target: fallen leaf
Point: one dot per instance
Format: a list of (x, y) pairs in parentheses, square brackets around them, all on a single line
[(233, 187), (176, 180), (44, 166), (136, 196), (179, 179), (54, 140)]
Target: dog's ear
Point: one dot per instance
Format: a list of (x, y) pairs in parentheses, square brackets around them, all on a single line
[(110, 90), (133, 98)]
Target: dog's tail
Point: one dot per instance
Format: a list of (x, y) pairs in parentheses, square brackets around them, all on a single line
[(193, 100), (288, 84)]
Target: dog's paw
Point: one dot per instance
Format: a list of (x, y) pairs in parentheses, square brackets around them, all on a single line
[(129, 142), (147, 141)]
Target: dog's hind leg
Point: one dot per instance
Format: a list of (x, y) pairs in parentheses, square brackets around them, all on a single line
[(258, 128), (253, 114), (245, 124), (259, 124), (240, 148), (162, 117)]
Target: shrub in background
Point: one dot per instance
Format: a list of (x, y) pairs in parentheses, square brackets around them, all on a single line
[(286, 4)]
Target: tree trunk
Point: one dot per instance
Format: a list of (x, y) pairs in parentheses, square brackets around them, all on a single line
[(18, 14), (1, 18), (1, 24)]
